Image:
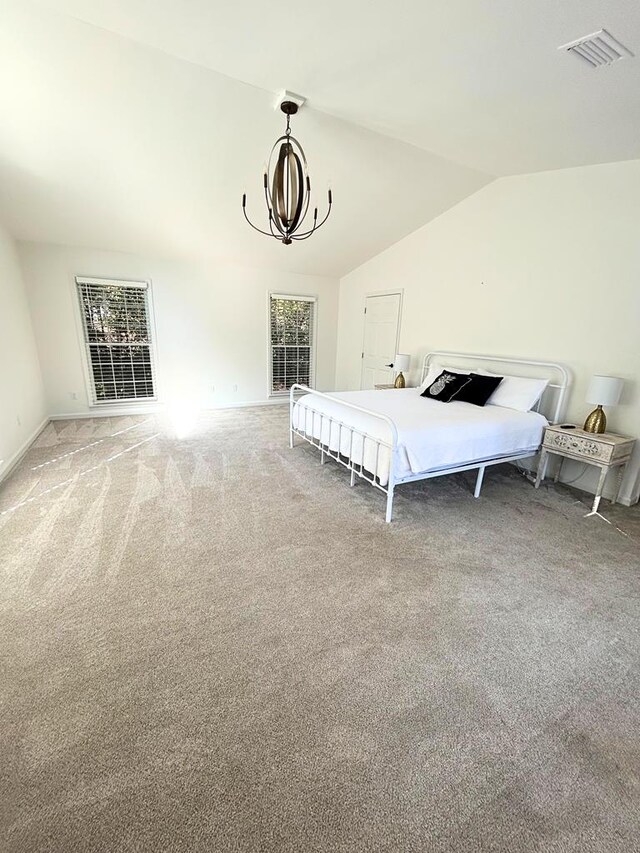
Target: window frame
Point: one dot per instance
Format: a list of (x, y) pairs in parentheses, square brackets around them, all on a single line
[(298, 297), (127, 403)]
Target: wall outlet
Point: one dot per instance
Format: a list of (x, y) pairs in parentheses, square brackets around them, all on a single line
[(73, 395), (213, 389), (235, 387)]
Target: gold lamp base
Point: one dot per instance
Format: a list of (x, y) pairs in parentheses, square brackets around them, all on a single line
[(596, 421), (399, 383)]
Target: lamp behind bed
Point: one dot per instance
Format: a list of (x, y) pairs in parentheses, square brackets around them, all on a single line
[(401, 362)]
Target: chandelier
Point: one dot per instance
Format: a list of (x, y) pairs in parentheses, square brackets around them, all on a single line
[(287, 189)]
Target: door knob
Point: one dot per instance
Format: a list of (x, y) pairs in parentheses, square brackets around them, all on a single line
[(388, 365)]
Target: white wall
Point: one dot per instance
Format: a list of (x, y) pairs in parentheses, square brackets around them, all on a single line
[(540, 266), (22, 407), (210, 318)]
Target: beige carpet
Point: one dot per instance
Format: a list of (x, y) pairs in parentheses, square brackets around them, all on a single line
[(213, 644)]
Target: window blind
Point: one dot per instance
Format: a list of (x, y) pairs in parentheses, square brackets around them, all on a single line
[(292, 330), (117, 335)]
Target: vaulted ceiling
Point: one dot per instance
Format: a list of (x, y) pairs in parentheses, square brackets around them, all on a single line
[(137, 124)]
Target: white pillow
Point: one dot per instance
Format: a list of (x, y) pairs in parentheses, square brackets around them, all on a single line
[(516, 392), (435, 369)]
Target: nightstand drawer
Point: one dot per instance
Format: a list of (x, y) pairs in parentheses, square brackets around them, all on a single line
[(579, 445)]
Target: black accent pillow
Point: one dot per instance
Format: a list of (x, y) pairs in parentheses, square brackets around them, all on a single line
[(445, 386), (478, 390)]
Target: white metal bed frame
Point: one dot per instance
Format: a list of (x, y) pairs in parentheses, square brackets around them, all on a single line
[(559, 387)]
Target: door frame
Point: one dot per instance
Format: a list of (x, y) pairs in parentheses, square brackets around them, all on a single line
[(398, 291)]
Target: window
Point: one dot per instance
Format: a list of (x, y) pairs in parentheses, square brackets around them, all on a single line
[(117, 335), (292, 346)]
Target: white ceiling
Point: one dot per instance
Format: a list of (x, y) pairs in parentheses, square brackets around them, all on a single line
[(480, 83), (114, 145), (111, 139)]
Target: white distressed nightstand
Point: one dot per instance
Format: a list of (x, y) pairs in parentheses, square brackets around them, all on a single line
[(604, 450), (383, 387)]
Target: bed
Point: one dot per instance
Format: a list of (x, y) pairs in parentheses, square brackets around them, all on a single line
[(395, 436)]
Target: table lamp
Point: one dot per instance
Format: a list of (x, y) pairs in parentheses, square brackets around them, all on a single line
[(401, 363), (603, 391)]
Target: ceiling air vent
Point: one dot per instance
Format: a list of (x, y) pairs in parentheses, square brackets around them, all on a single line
[(598, 49)]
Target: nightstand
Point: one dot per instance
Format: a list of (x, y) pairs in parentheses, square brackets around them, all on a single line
[(383, 387), (604, 450)]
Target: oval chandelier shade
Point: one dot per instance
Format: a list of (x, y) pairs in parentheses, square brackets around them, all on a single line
[(287, 192), (287, 189)]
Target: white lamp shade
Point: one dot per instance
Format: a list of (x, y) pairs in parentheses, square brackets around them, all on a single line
[(402, 362), (605, 390)]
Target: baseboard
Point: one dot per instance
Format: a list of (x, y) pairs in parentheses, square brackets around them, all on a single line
[(111, 413), (121, 413), (13, 460), (276, 401)]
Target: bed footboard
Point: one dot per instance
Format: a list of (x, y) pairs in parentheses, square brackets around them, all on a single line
[(366, 456)]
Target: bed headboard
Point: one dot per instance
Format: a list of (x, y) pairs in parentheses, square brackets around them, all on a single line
[(553, 401)]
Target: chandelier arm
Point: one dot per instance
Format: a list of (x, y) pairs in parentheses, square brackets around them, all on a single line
[(308, 234), (277, 236), (260, 231), (316, 224), (255, 228), (305, 234), (267, 191), (320, 224), (281, 235)]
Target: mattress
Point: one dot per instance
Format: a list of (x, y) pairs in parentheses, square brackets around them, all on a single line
[(431, 435)]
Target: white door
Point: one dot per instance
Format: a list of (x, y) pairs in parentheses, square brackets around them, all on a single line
[(381, 324)]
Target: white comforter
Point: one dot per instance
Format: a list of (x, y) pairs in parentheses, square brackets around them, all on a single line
[(431, 435)]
